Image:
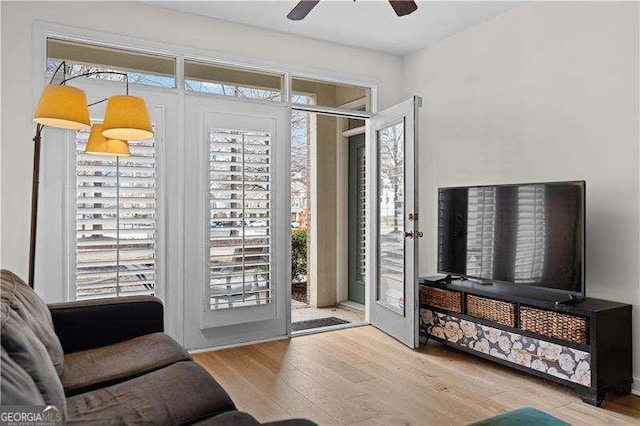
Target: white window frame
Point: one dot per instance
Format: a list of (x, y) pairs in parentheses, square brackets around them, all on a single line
[(160, 202)]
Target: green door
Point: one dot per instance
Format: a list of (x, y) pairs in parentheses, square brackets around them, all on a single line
[(357, 193)]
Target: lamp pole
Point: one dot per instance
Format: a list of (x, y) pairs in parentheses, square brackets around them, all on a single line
[(35, 184), (34, 201)]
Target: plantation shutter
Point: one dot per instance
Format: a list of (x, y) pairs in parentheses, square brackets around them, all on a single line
[(361, 218), (115, 222), (240, 218)]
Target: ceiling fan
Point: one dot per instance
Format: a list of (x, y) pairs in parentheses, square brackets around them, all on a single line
[(302, 9)]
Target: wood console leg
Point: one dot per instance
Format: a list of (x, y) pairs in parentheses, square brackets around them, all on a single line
[(592, 396)]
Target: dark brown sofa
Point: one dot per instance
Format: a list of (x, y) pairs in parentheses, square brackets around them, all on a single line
[(105, 361)]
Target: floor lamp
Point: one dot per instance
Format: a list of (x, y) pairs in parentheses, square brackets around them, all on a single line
[(65, 107)]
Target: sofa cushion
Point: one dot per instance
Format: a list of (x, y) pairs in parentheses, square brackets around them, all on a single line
[(26, 350), (16, 386), (107, 365), (179, 393), (34, 312)]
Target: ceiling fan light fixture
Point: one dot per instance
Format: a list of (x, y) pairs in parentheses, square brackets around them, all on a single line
[(302, 9), (403, 7)]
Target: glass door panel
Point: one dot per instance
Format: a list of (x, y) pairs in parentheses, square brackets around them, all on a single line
[(390, 145)]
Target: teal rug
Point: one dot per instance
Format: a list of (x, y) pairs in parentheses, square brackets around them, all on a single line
[(525, 416)]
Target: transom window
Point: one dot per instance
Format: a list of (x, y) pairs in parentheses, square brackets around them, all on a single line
[(141, 68), (209, 78), (330, 94)]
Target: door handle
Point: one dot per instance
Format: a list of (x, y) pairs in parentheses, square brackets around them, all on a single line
[(412, 234)]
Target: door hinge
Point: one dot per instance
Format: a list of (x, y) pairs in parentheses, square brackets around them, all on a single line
[(413, 234)]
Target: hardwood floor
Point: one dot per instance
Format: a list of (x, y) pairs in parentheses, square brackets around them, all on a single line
[(361, 376)]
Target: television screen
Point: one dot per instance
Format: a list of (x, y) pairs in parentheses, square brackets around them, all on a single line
[(530, 234)]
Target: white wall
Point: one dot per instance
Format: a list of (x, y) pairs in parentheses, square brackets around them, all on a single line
[(145, 22), (548, 91)]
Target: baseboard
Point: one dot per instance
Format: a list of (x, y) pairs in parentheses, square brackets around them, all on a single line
[(235, 345), (635, 386)]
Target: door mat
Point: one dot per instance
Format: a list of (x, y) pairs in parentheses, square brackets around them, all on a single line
[(317, 323)]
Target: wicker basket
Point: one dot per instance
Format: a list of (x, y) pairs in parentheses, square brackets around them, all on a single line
[(493, 310), (554, 324), (439, 298)]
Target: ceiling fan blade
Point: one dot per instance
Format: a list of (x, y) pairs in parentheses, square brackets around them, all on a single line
[(403, 7), (302, 9)]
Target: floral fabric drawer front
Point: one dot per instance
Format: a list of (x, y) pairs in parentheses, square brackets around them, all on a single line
[(556, 360)]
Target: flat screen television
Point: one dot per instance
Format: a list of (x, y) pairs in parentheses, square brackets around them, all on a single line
[(522, 234)]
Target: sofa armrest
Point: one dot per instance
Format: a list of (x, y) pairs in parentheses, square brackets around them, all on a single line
[(94, 323)]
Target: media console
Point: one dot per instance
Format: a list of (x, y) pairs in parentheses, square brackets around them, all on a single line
[(586, 345)]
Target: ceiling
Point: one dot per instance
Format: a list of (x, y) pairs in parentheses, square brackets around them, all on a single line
[(369, 24)]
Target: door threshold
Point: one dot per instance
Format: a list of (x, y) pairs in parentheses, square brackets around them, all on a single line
[(328, 328), (352, 305)]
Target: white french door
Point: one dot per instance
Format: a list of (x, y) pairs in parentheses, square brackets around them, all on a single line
[(392, 209), (237, 236)]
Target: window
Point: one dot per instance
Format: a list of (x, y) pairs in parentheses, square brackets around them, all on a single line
[(115, 222), (240, 218), (208, 78), (142, 68), (330, 94)]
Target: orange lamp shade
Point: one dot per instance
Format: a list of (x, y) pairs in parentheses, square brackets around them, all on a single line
[(99, 145), (64, 107), (126, 118)]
